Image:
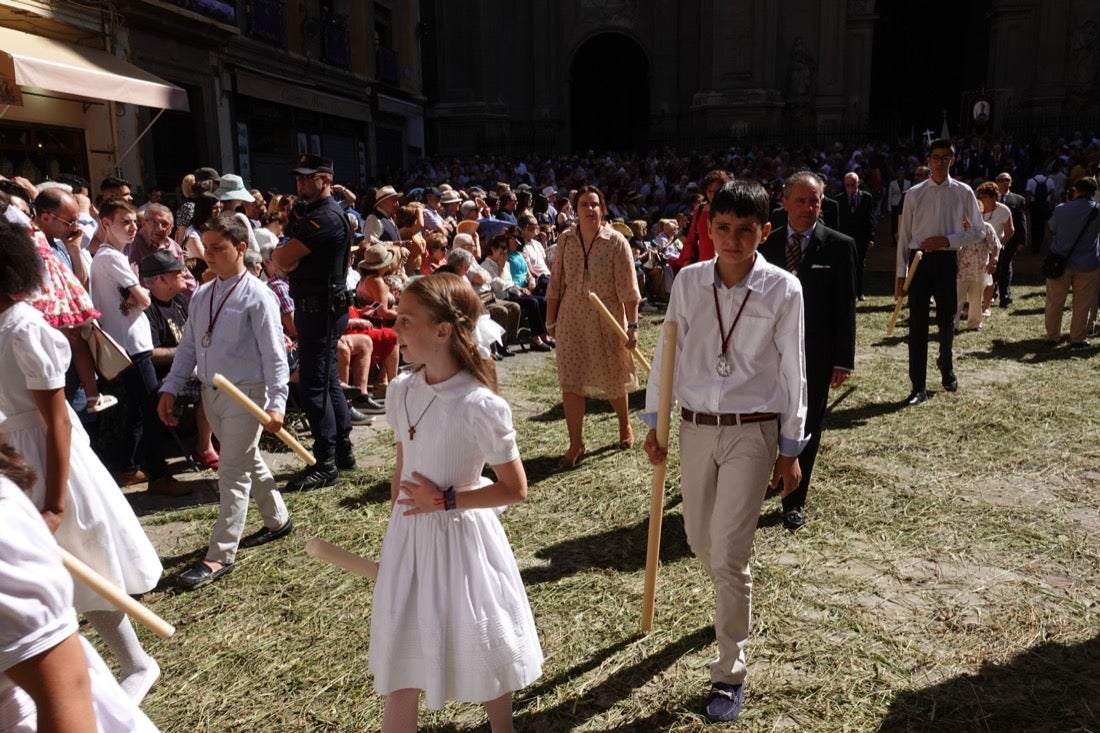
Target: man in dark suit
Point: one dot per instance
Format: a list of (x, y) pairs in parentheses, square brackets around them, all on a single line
[(824, 261), (856, 218), (1017, 204)]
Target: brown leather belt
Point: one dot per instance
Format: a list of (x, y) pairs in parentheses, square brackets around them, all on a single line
[(701, 418)]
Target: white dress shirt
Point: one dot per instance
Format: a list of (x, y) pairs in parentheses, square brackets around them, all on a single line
[(931, 209), (246, 343), (765, 352)]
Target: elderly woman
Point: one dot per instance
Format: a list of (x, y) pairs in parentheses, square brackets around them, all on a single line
[(592, 362)]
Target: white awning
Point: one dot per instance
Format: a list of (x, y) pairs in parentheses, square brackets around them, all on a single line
[(86, 72)]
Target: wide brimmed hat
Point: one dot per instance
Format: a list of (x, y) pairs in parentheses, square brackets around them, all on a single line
[(381, 194), (376, 257), (622, 228), (450, 197), (232, 188), (467, 226)]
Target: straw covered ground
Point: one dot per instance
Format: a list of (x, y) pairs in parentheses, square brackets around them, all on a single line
[(946, 579)]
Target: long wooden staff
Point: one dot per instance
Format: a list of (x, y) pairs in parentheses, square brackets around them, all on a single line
[(614, 323), (342, 558), (258, 412), (657, 488), (114, 594), (904, 290)]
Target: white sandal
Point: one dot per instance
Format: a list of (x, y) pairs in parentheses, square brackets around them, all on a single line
[(100, 403)]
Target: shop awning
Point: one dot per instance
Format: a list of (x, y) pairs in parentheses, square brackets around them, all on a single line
[(86, 72)]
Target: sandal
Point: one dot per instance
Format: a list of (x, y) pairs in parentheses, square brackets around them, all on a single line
[(100, 402), (570, 461), (209, 459)]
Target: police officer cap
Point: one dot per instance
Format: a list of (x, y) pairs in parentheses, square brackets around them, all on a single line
[(159, 263), (307, 165)]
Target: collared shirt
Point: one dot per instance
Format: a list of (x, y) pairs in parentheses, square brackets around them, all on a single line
[(931, 209), (765, 354), (1068, 221), (803, 237), (246, 344)]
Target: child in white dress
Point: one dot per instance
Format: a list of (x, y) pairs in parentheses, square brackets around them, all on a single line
[(450, 613), (77, 497), (50, 676)]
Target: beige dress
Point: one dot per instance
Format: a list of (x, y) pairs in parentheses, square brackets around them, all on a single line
[(592, 359)]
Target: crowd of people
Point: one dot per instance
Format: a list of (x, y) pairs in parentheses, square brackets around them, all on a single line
[(399, 300)]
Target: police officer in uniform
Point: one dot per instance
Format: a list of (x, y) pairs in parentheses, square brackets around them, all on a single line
[(316, 256)]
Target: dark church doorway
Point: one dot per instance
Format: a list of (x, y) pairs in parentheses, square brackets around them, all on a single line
[(926, 55), (609, 95)]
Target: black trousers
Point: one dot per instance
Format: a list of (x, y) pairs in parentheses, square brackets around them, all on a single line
[(319, 390), (818, 378), (1003, 276), (935, 279)]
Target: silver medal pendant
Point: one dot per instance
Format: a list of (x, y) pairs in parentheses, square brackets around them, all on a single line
[(206, 340), (723, 366)]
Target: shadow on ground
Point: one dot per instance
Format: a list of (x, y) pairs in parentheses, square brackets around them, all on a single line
[(1051, 687), (615, 549)]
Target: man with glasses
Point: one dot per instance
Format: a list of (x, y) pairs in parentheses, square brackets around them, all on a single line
[(154, 236), (316, 257), (938, 217), (1017, 205), (55, 214)]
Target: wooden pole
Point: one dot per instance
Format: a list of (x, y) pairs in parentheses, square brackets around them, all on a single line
[(614, 323), (904, 290), (258, 412), (342, 558), (657, 487), (116, 596)]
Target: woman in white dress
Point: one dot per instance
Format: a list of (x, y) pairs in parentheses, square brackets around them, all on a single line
[(75, 493), (450, 613)]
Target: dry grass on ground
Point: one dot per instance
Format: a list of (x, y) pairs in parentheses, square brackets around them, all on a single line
[(946, 580)]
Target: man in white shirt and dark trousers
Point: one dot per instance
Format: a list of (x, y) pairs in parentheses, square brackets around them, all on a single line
[(740, 381), (939, 216)]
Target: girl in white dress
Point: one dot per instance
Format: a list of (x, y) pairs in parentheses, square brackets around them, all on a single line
[(450, 613), (50, 677), (75, 493)]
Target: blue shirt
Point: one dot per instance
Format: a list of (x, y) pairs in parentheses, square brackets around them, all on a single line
[(1066, 223), (246, 342), (518, 266)]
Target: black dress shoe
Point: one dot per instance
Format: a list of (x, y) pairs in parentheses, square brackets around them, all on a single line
[(200, 574), (369, 406), (539, 347), (794, 518), (916, 397), (950, 381), (266, 535), (345, 457), (314, 477)]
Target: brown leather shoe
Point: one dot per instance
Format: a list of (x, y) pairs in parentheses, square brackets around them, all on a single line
[(168, 486), (129, 478)]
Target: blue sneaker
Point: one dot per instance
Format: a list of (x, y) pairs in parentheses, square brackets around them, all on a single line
[(724, 702)]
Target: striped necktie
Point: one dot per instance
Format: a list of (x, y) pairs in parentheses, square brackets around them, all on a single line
[(794, 252)]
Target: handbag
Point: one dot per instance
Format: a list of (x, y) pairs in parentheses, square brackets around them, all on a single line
[(1054, 266), (110, 358)]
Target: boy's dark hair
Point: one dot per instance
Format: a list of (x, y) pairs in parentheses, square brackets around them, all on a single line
[(229, 226), (110, 208), (742, 198), (20, 264), (1086, 186), (113, 182), (941, 144)]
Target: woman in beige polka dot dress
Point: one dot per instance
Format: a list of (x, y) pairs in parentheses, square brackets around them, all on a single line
[(592, 359)]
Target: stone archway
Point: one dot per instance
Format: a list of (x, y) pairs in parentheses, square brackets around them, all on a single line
[(609, 95)]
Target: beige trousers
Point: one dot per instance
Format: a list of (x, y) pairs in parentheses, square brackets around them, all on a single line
[(241, 472), (724, 472), (1084, 286)]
